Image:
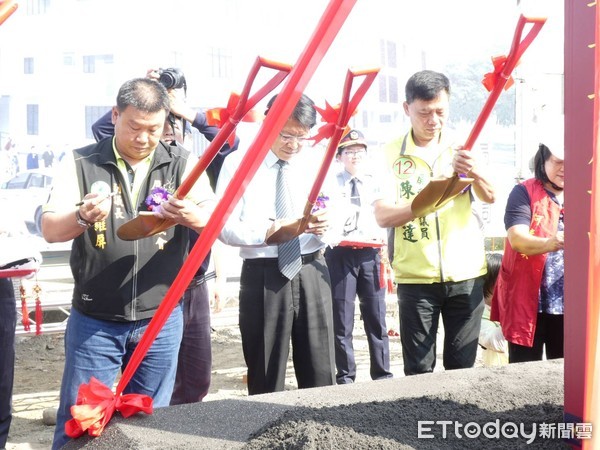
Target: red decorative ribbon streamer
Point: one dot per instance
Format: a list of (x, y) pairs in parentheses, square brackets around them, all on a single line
[(24, 311), (382, 282), (96, 404), (491, 79), (330, 115), (220, 116), (100, 412), (39, 316)]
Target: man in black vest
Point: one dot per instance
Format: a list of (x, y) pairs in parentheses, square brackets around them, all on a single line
[(120, 284)]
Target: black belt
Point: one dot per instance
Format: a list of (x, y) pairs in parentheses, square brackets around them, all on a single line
[(201, 279), (341, 249), (310, 257)]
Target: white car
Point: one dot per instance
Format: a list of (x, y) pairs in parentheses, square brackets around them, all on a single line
[(25, 194)]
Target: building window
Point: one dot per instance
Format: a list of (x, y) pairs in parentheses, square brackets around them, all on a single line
[(382, 88), (89, 64), (92, 114), (33, 120), (90, 61), (393, 89), (28, 66), (220, 63), (391, 54), (68, 59), (388, 54), (388, 89), (35, 7)]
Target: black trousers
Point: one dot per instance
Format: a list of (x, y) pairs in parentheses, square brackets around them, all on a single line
[(8, 323), (461, 306), (355, 272), (275, 311), (194, 364), (549, 332)]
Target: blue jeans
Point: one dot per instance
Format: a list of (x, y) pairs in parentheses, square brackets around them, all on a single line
[(102, 348), (8, 322)]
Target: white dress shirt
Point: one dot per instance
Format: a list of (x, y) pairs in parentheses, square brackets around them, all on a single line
[(352, 222), (252, 217)]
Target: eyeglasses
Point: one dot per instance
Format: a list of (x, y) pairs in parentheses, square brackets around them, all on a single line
[(352, 153), (288, 139)]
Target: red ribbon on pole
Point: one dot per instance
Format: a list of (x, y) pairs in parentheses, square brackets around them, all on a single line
[(491, 79), (143, 226), (220, 116), (337, 121), (329, 25), (330, 115)]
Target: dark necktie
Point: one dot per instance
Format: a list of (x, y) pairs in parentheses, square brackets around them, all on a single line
[(354, 194), (289, 255)]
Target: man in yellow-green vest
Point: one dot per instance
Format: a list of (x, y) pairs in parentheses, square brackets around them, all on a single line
[(438, 253)]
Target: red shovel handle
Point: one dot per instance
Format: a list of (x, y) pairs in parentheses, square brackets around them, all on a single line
[(246, 103), (516, 51), (7, 8), (332, 20), (347, 108)]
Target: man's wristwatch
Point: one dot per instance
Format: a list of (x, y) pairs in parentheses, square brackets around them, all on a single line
[(81, 221)]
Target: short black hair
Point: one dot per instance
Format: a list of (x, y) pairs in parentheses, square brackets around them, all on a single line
[(542, 155), (144, 94), (304, 111), (426, 85)]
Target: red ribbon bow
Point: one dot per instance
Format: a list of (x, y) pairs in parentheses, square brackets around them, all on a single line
[(219, 116), (491, 79), (96, 404), (330, 115)]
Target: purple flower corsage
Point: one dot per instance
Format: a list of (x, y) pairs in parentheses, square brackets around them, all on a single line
[(320, 203), (156, 197)]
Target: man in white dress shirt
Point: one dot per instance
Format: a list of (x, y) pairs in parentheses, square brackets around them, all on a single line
[(276, 308)]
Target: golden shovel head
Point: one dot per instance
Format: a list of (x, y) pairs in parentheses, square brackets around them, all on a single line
[(438, 193), (287, 231), (144, 225)]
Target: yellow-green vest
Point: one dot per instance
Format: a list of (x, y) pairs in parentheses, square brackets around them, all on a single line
[(446, 245)]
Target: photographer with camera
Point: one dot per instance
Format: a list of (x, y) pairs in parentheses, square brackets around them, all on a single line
[(194, 364), (181, 115)]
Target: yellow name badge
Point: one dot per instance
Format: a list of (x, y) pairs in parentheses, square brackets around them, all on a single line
[(413, 177)]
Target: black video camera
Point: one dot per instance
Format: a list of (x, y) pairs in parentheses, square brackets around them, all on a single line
[(172, 78)]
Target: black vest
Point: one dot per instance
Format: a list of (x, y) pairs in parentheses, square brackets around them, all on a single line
[(125, 280)]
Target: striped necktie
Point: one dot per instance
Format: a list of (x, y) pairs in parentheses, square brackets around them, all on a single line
[(289, 255)]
